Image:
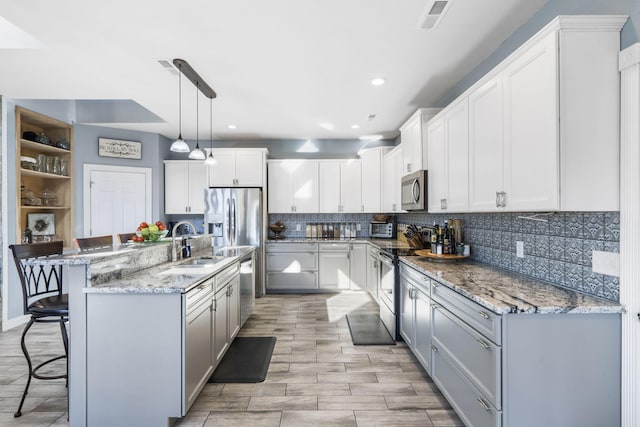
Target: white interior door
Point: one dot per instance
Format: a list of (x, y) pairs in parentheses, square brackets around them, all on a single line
[(116, 199)]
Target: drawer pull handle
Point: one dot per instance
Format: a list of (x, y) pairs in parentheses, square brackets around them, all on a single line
[(484, 404), (483, 344), (434, 348), (483, 315), (435, 306)]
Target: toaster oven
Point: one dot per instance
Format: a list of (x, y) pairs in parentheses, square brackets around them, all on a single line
[(381, 230)]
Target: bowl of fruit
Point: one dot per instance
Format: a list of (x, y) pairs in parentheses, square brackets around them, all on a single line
[(151, 232)]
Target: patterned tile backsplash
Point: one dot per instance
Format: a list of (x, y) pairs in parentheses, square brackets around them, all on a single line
[(557, 246)]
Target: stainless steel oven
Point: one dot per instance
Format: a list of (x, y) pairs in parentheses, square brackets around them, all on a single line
[(388, 292)]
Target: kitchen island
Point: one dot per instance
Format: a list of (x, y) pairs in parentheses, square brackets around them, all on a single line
[(146, 333)]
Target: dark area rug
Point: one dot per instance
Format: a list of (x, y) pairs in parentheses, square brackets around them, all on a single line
[(246, 361), (368, 329)]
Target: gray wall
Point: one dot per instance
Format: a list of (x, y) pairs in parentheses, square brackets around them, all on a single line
[(288, 148), (155, 148), (630, 33)]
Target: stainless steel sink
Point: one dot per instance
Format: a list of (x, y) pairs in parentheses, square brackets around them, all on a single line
[(205, 260)]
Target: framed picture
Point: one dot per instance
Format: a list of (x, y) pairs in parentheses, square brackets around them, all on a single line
[(119, 148), (41, 224)]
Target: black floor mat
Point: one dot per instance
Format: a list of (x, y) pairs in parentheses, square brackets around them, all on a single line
[(246, 361), (368, 329)]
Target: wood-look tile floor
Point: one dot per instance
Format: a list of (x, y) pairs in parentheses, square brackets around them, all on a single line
[(317, 377)]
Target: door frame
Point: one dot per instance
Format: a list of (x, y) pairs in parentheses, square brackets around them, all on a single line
[(86, 188)]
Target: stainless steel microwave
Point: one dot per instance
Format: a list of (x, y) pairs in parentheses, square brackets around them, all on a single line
[(413, 191)]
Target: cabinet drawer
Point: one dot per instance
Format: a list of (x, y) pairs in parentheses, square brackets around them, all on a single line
[(198, 293), (416, 278), (478, 357), (334, 247), (472, 408), (291, 247), (478, 317), (224, 276), (292, 262), (305, 280)]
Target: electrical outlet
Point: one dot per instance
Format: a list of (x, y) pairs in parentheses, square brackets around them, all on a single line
[(358, 228), (298, 227), (520, 249)]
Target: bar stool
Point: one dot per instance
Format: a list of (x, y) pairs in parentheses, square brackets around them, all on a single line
[(43, 300), (93, 243)]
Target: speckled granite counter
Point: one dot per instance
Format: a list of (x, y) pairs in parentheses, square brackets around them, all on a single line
[(504, 292), (144, 268)]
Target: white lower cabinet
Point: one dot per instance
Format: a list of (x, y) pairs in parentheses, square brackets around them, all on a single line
[(334, 266), (373, 271), (358, 266), (292, 266)]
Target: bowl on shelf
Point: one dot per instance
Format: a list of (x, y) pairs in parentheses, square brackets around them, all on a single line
[(277, 228)]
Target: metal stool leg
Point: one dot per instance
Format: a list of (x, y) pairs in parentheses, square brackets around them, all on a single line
[(18, 413)]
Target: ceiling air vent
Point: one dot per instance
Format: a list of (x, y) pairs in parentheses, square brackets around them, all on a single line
[(433, 13)]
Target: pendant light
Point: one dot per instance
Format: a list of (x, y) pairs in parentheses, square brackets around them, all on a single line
[(197, 153), (210, 159), (179, 146)]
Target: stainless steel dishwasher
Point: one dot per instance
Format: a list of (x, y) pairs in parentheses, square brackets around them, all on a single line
[(247, 286)]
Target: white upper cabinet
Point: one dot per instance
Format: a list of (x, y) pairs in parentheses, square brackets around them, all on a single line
[(486, 146), (447, 153), (340, 186), (544, 124), (293, 186), (413, 140), (237, 168), (371, 163), (391, 176), (184, 185)]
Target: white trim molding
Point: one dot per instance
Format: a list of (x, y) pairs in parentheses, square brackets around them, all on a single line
[(629, 65)]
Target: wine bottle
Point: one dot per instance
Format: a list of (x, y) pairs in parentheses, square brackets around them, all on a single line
[(445, 244)]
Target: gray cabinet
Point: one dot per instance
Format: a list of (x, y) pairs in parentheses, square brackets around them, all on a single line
[(226, 307), (415, 314), (524, 370), (198, 340)]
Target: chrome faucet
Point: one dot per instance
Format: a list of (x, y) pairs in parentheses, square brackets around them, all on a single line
[(174, 251)]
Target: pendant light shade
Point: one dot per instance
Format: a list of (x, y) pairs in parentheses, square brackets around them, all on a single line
[(179, 146), (197, 153), (210, 159)]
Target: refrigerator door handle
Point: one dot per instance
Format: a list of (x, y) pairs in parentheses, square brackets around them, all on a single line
[(234, 236), (228, 225)]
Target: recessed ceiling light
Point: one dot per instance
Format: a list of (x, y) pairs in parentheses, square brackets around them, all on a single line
[(355, 126), (327, 126), (232, 127), (378, 81)]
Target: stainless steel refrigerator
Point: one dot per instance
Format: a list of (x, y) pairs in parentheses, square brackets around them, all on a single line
[(234, 217)]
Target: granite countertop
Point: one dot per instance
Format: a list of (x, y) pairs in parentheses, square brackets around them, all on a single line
[(171, 277), (146, 268), (504, 292)]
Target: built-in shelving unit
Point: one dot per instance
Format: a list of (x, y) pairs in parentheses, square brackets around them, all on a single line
[(36, 180)]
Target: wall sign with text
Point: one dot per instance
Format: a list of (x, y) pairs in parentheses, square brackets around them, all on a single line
[(119, 148)]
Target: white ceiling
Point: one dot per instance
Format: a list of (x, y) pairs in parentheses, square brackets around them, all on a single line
[(281, 68)]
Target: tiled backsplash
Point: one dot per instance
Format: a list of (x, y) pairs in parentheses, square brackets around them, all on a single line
[(557, 247)]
